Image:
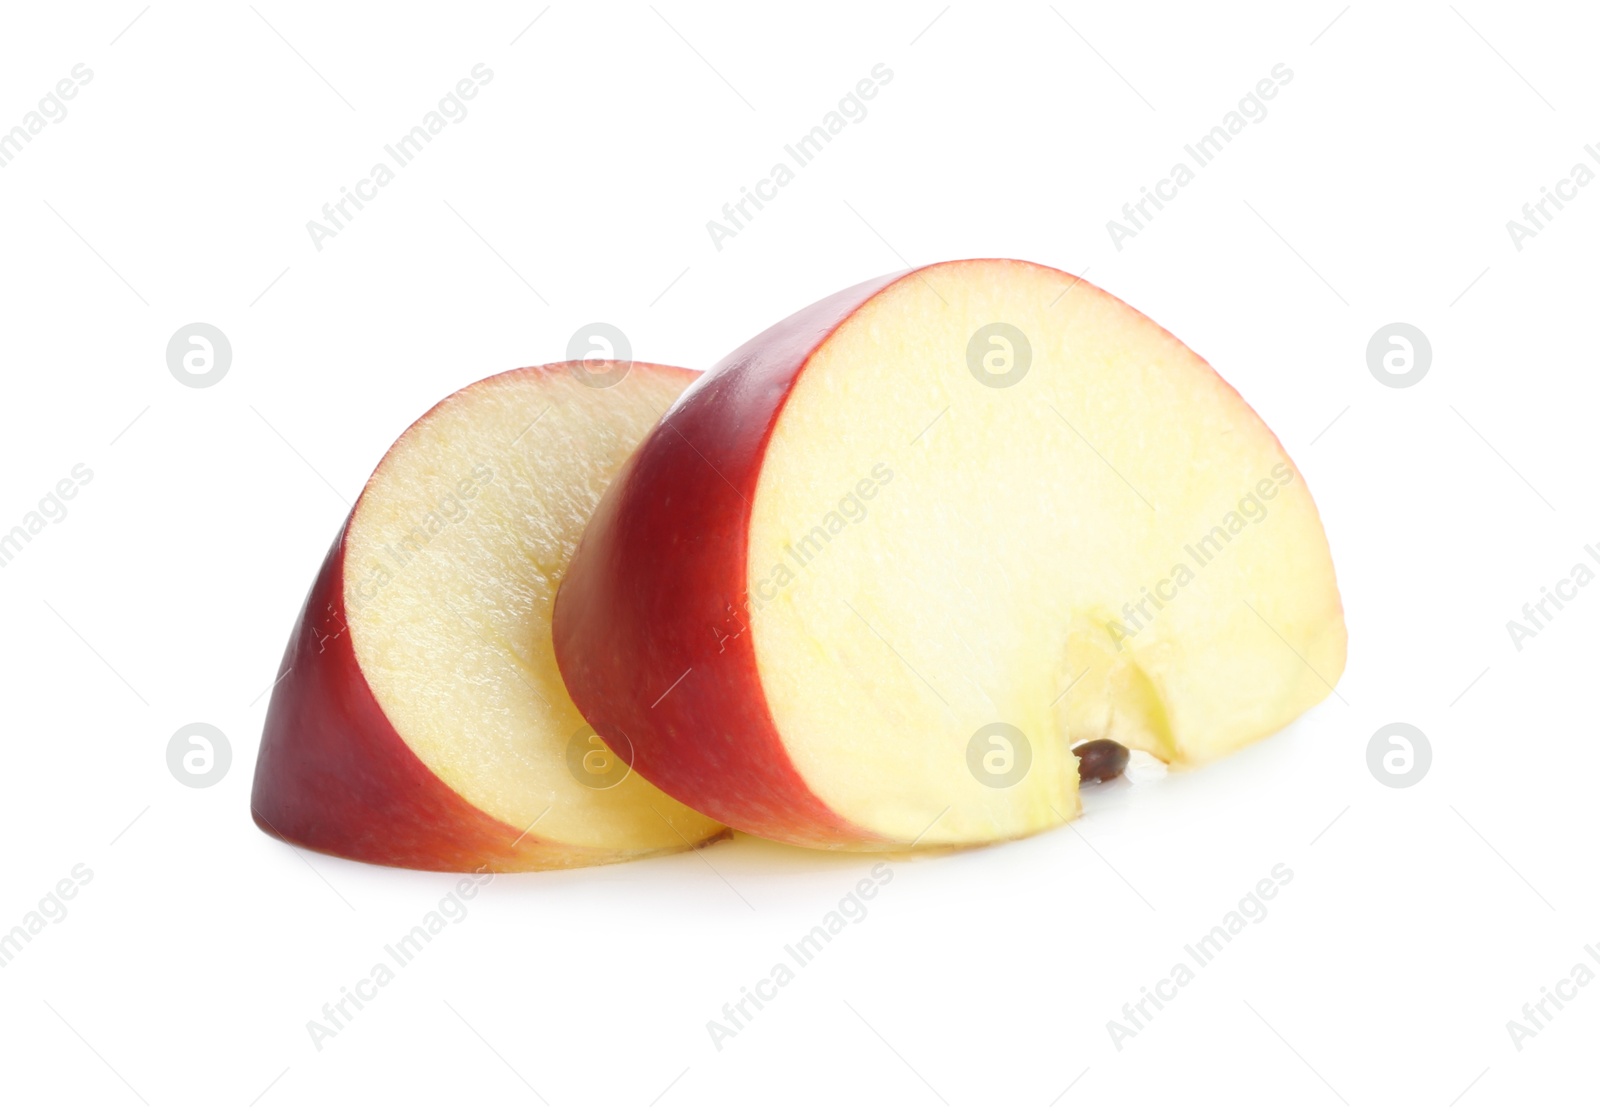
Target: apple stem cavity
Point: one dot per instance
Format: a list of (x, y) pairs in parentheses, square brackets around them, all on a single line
[(1100, 760)]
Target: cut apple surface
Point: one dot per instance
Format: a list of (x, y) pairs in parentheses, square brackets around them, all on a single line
[(420, 719), (872, 578)]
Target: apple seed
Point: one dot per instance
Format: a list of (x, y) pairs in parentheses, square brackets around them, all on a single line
[(1100, 760)]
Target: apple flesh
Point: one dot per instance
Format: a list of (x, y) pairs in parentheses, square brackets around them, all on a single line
[(873, 576), (420, 719)]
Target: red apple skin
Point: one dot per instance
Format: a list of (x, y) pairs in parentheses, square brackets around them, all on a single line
[(622, 639), (333, 775)]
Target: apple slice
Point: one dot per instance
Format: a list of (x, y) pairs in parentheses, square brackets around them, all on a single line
[(420, 719), (872, 578)]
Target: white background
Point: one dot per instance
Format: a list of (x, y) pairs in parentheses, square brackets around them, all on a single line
[(1378, 188)]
